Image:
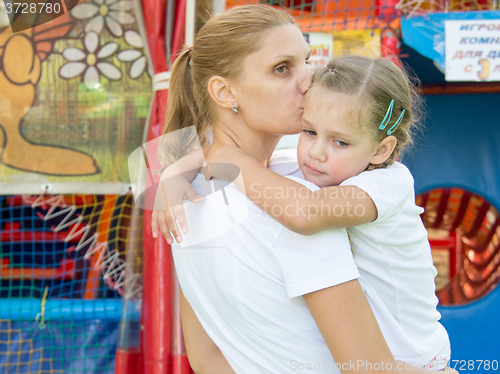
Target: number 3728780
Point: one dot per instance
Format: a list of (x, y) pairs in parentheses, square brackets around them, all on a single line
[(473, 364), (33, 7)]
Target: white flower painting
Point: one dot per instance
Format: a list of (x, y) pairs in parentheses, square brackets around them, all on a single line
[(113, 13), (139, 61), (90, 61)]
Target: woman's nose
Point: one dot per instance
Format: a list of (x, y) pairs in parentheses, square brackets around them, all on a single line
[(305, 80)]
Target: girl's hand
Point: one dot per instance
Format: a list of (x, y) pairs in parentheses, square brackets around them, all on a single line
[(169, 211)]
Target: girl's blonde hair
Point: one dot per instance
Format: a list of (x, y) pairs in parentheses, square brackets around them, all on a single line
[(220, 48), (374, 83)]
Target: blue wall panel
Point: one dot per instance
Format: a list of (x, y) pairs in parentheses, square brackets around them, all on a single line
[(461, 148)]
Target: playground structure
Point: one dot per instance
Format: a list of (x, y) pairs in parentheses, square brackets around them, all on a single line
[(60, 265), (72, 264), (462, 193)]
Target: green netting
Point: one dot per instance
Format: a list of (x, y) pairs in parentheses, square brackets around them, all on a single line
[(61, 279), (325, 16)]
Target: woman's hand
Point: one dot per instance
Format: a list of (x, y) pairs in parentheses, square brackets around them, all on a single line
[(169, 210)]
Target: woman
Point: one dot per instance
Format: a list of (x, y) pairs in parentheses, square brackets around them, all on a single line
[(271, 300)]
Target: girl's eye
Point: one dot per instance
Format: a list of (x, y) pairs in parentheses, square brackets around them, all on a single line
[(281, 69), (341, 143), (309, 132)]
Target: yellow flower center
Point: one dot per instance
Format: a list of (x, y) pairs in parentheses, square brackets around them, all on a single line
[(91, 59), (103, 10)]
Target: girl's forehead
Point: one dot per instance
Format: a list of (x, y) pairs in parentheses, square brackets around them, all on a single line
[(318, 92), (334, 107)]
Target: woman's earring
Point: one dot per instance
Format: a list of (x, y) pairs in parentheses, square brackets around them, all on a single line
[(235, 109)]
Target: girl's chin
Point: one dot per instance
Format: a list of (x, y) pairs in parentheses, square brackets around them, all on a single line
[(316, 179)]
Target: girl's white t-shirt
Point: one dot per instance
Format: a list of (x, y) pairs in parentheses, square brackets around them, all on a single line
[(394, 259), (393, 255)]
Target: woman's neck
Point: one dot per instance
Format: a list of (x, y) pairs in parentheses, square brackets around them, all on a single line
[(257, 145)]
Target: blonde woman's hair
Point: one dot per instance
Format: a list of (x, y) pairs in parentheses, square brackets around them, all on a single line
[(220, 48), (374, 83)]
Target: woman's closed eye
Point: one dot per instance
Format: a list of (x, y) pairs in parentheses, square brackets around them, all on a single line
[(309, 132), (341, 143)]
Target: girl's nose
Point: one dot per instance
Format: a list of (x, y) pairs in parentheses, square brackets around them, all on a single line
[(317, 151)]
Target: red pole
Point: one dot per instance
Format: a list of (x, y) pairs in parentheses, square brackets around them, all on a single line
[(391, 46), (157, 308), (387, 9), (180, 363), (157, 277), (126, 360), (179, 28)]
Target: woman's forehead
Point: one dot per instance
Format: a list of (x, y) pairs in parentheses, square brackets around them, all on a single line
[(284, 41)]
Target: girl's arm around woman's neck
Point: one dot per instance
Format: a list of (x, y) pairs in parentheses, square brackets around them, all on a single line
[(294, 205)]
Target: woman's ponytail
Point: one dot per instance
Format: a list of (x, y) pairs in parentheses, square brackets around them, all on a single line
[(182, 112)]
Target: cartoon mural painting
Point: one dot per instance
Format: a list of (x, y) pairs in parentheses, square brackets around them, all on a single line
[(21, 57), (92, 46)]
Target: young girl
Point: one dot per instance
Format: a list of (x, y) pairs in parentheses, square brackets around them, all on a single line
[(357, 119)]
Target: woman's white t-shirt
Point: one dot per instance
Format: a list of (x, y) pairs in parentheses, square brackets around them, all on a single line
[(244, 274)]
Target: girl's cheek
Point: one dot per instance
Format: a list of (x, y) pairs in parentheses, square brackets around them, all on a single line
[(300, 148)]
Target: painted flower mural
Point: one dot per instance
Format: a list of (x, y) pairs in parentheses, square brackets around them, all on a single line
[(136, 56), (90, 61), (113, 13), (95, 43)]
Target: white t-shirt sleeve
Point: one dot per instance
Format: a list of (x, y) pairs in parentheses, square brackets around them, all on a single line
[(284, 162), (388, 188), (312, 263)]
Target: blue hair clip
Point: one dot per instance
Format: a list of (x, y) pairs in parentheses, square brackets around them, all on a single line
[(387, 119), (396, 124)]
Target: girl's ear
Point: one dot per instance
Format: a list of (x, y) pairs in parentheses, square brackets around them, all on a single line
[(384, 150), (220, 91)]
